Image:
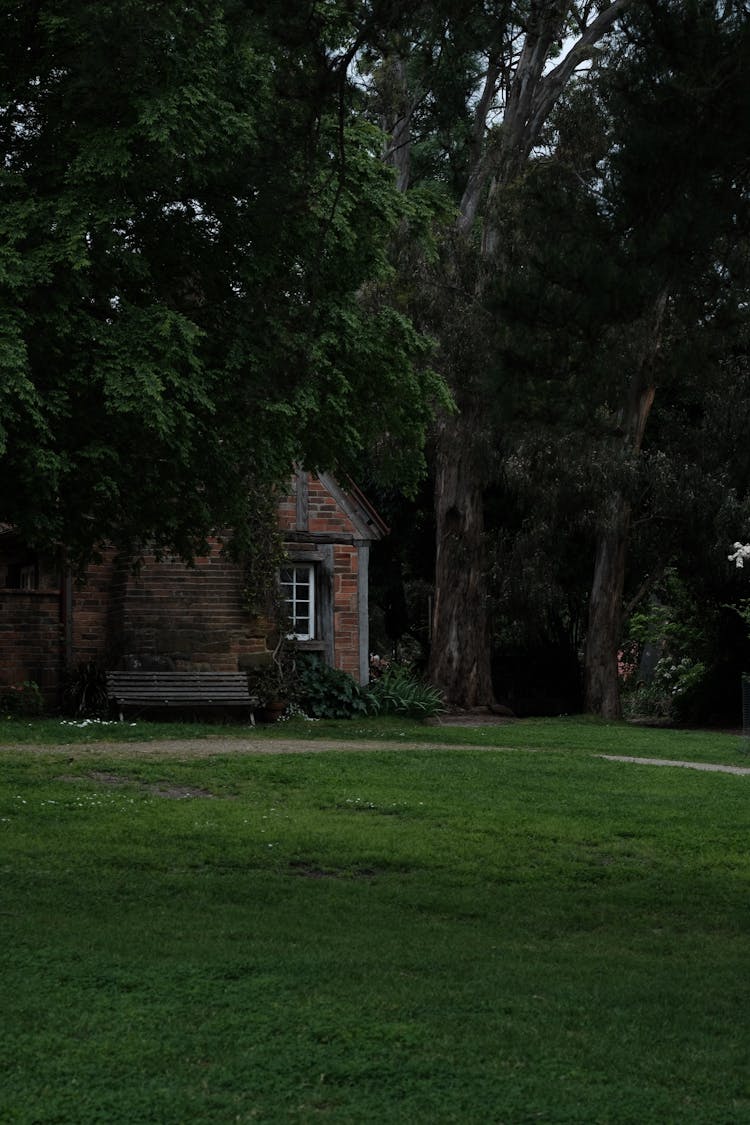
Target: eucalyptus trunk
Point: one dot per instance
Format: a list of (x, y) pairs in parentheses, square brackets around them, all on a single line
[(601, 684), (508, 111), (604, 633), (461, 635)]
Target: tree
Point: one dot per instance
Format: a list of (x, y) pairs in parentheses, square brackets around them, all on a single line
[(466, 93), (641, 291), (472, 108), (678, 189), (193, 248)]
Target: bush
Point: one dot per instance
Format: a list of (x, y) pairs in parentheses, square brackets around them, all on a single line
[(85, 694), (327, 693), (663, 696), (21, 700), (398, 692)]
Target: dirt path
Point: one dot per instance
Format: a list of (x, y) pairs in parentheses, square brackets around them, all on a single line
[(707, 766), (212, 747)]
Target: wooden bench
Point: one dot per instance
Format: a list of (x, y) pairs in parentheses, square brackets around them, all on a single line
[(185, 691)]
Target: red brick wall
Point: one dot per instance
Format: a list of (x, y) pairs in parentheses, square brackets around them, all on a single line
[(91, 608), (345, 609), (324, 516), (288, 513), (169, 614), (324, 513), (31, 635), (173, 615)]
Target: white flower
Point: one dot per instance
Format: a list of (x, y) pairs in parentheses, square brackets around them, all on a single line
[(741, 552)]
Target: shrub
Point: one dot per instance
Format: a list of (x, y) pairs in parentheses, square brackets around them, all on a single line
[(327, 693), (398, 692), (21, 700), (663, 696), (85, 694)]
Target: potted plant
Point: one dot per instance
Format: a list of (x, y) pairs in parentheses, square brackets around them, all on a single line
[(272, 684)]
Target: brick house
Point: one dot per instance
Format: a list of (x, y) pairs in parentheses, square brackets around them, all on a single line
[(170, 616)]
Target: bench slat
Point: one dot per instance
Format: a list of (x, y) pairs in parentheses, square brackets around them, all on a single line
[(177, 675), (180, 689)]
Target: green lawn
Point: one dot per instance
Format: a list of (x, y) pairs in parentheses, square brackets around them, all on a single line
[(566, 735), (449, 935)]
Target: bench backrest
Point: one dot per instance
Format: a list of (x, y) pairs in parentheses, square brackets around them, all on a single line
[(173, 686)]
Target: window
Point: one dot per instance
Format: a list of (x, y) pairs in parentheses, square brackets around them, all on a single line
[(28, 579), (298, 594), (22, 571)]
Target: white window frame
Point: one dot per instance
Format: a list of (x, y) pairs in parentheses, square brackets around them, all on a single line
[(28, 577), (289, 590)]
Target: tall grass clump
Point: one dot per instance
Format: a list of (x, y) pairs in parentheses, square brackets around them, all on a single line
[(398, 691)]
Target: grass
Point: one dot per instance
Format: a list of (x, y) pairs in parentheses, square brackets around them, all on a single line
[(436, 935), (579, 735)]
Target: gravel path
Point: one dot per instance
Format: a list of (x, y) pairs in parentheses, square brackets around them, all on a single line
[(211, 747), (708, 766)]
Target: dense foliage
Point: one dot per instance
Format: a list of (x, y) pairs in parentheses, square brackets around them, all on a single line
[(398, 691), (322, 692), (593, 322), (192, 241), (233, 238)]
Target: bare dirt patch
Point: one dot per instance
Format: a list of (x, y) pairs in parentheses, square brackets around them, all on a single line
[(180, 792), (107, 778), (158, 789), (478, 718), (222, 747), (312, 871), (219, 747)]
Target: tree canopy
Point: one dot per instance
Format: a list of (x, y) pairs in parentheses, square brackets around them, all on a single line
[(595, 268), (193, 239), (235, 237)]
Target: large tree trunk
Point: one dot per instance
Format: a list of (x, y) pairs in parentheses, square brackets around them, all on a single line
[(601, 683), (518, 78), (460, 651)]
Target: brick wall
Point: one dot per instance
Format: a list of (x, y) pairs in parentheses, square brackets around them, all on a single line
[(288, 513), (171, 616), (31, 636), (324, 514), (345, 609), (90, 616)]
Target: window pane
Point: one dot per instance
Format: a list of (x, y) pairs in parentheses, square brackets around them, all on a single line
[(298, 593)]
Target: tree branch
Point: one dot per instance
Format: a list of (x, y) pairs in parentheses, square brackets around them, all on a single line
[(550, 87), (478, 170)]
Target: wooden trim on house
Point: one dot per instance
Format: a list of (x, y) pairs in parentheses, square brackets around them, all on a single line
[(326, 603), (302, 495), (367, 522), (323, 537), (363, 610)]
